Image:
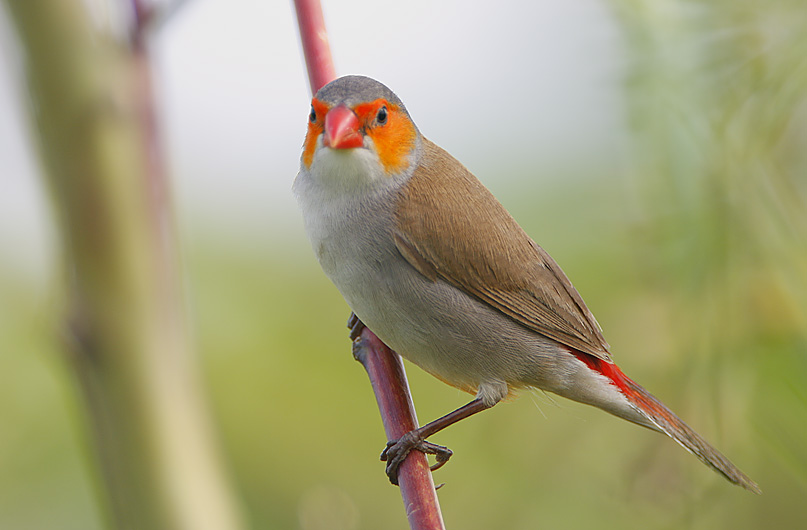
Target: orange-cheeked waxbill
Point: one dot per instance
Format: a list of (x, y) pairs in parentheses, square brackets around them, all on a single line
[(434, 265)]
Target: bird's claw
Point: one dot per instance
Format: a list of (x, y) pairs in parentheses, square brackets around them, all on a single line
[(396, 452), (355, 325)]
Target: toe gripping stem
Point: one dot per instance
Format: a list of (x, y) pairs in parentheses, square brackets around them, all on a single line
[(392, 393), (397, 450)]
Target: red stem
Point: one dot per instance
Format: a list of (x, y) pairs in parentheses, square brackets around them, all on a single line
[(386, 372), (316, 49), (384, 366)]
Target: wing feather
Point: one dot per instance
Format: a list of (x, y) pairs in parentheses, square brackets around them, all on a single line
[(450, 227)]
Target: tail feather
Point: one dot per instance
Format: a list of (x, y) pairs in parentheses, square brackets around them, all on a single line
[(666, 420), (675, 428)]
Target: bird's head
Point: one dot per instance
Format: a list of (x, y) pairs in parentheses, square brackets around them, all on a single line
[(358, 130)]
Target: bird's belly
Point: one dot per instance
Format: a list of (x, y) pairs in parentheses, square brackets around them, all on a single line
[(448, 333), (445, 331)]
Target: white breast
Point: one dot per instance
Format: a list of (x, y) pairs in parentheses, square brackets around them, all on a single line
[(438, 327), (348, 214)]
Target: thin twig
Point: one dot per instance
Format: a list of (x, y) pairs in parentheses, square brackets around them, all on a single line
[(165, 14), (150, 18), (387, 375), (383, 366), (316, 48)]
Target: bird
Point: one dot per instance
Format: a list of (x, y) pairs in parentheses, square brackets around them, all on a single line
[(430, 261)]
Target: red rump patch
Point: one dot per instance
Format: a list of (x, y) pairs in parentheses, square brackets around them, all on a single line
[(665, 420), (635, 393), (609, 370)]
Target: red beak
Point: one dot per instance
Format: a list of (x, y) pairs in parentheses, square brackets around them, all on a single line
[(342, 129)]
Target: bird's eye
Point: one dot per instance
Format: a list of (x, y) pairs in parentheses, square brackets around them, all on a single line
[(381, 117), (312, 117)]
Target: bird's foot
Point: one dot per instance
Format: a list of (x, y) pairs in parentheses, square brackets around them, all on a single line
[(396, 451), (355, 325)]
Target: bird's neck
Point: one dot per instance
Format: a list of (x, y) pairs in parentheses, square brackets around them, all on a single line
[(356, 171)]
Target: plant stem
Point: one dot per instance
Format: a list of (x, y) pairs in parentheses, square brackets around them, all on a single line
[(387, 375), (384, 367), (316, 49), (128, 343)]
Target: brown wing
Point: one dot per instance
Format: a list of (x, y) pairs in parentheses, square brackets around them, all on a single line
[(450, 226)]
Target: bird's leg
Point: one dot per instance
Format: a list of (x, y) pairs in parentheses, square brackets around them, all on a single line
[(397, 450)]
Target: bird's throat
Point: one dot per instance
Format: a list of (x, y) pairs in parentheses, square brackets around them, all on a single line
[(347, 170)]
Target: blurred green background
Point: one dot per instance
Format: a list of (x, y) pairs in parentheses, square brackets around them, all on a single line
[(656, 149)]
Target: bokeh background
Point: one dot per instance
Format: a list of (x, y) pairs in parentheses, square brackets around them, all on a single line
[(657, 149)]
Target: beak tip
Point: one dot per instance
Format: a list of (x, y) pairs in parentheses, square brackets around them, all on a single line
[(342, 129)]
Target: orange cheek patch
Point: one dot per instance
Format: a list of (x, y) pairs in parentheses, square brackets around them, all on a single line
[(314, 131), (393, 140), (310, 144)]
